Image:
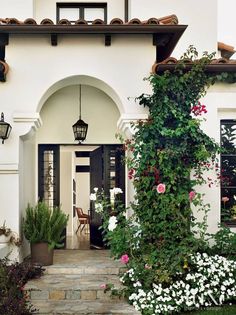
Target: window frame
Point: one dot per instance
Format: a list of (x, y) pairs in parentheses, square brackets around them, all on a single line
[(82, 6), (231, 222)]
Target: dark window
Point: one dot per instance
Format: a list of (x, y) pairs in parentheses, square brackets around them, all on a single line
[(228, 171), (86, 11)]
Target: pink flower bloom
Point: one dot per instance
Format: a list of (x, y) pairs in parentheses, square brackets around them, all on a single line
[(225, 199), (191, 195), (103, 286), (124, 259), (161, 188), (147, 266)]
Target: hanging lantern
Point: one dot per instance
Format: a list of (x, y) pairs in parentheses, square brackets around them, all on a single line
[(80, 128), (5, 129)]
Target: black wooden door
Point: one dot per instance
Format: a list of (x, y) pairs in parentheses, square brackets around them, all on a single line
[(106, 172), (96, 180)]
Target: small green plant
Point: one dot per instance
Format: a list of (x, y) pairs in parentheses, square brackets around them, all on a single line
[(224, 242), (43, 224)]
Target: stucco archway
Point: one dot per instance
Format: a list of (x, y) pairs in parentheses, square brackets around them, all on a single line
[(85, 80)]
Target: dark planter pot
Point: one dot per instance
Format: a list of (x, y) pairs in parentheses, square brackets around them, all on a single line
[(41, 254)]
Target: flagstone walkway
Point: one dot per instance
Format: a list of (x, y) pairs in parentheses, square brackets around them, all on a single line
[(72, 285)]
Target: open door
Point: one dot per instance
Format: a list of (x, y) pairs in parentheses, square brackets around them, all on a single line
[(106, 172)]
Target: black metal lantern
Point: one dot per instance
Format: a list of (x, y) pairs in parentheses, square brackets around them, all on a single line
[(5, 129), (80, 128)]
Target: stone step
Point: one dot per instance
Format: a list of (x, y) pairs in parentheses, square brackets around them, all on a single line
[(84, 262), (84, 307), (112, 269), (70, 287)]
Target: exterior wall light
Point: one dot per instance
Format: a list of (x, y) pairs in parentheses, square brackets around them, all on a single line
[(5, 129), (80, 128)]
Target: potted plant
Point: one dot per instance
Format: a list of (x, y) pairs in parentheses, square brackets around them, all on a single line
[(43, 228), (5, 234)]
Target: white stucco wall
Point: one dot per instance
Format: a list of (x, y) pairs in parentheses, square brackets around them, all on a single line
[(226, 21), (35, 66), (20, 9), (200, 16), (28, 186)]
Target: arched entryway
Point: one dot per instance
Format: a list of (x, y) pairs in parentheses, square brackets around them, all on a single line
[(66, 172)]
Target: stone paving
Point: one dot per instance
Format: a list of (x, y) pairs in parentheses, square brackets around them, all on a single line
[(72, 285)]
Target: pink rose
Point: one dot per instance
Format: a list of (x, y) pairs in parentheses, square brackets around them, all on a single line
[(161, 188), (124, 259), (103, 286), (191, 195), (225, 199)]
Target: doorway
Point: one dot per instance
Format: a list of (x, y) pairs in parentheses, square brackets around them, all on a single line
[(67, 174)]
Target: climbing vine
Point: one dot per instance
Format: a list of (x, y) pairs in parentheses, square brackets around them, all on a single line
[(168, 157), (166, 148)]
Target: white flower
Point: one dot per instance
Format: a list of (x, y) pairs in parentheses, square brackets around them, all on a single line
[(98, 207), (112, 223), (93, 197), (117, 191), (95, 189)]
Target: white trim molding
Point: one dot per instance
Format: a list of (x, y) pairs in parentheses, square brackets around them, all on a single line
[(9, 169), (125, 120), (32, 118)]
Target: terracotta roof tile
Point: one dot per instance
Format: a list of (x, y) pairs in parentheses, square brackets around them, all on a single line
[(46, 22), (98, 22), (64, 22), (151, 21), (30, 21), (135, 21), (10, 21), (116, 21), (81, 22), (216, 65), (226, 50), (222, 46), (170, 19)]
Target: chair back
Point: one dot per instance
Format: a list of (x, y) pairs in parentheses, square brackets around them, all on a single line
[(79, 212)]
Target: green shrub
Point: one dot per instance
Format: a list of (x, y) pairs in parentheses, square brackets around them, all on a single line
[(43, 224)]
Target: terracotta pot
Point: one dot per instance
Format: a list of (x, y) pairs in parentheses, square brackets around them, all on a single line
[(41, 254), (4, 239)]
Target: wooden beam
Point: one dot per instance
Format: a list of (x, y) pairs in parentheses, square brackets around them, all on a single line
[(54, 39), (4, 39), (2, 53), (107, 40)]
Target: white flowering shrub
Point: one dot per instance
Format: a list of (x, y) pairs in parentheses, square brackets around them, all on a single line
[(209, 280)]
